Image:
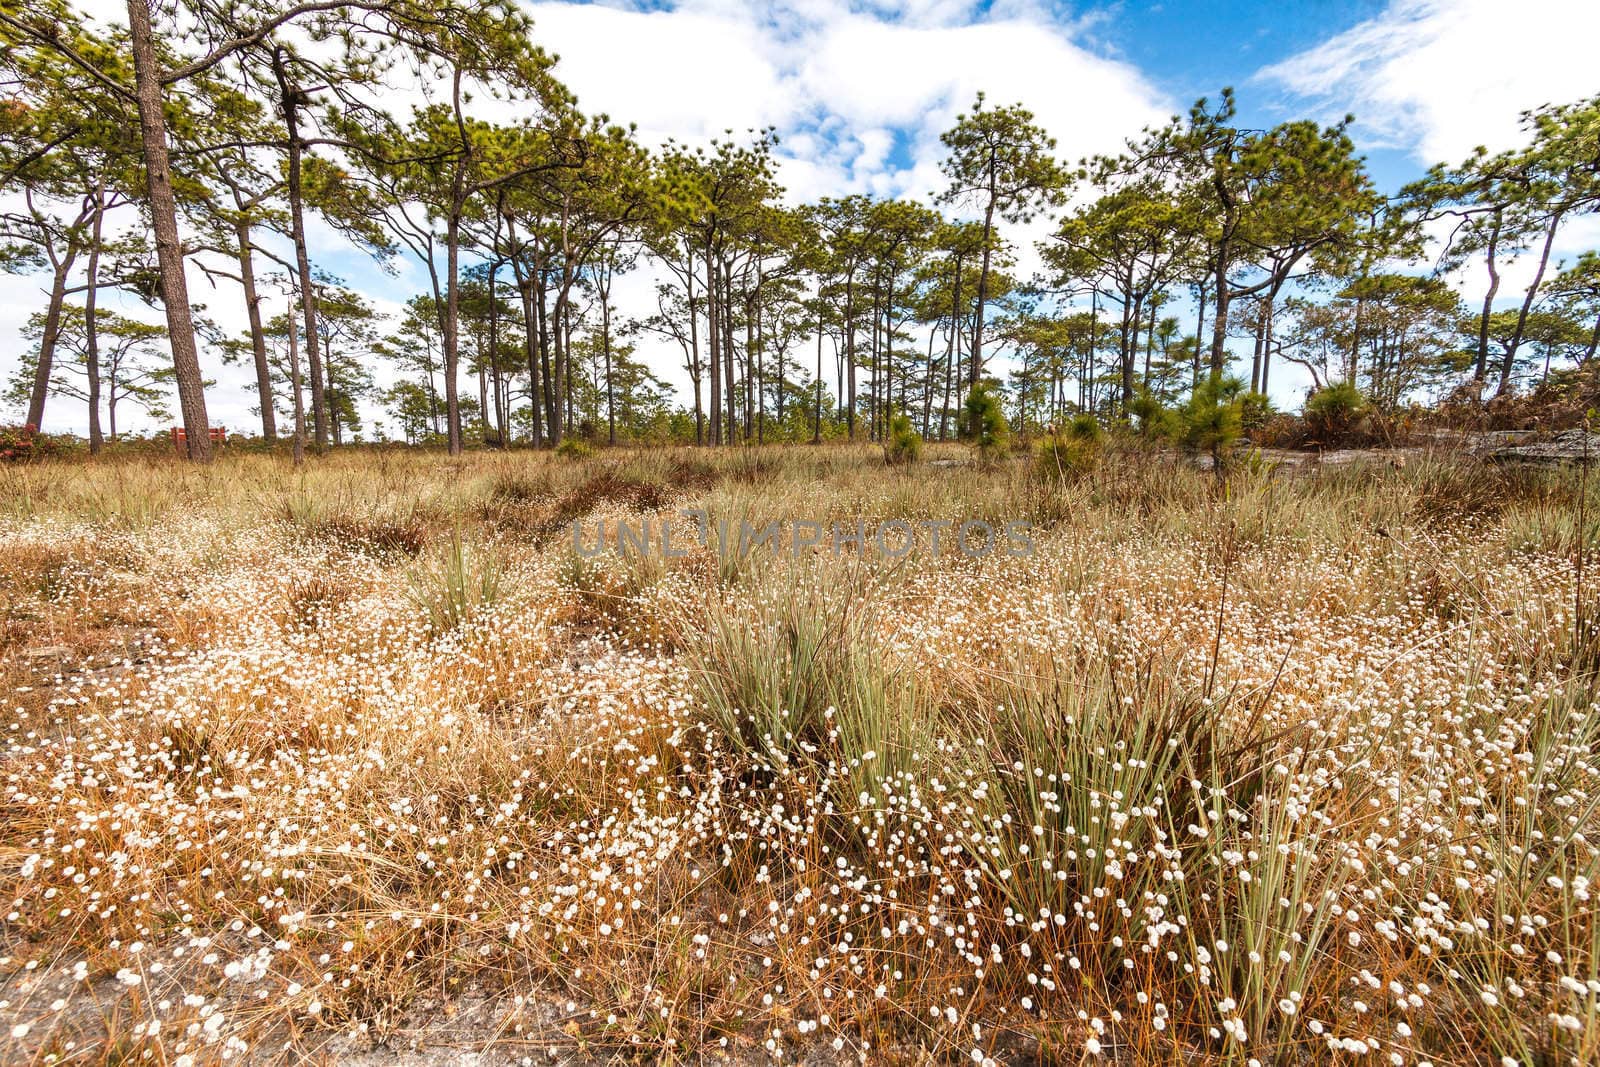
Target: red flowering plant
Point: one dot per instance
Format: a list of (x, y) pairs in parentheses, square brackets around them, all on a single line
[(18, 444)]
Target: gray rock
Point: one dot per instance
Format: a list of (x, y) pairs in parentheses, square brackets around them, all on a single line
[(1568, 446)]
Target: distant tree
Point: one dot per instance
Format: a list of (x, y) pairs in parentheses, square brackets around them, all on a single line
[(842, 226), (69, 157), (1393, 334), (721, 200), (1576, 291), (414, 409), (1128, 245), (1265, 199), (347, 329), (1509, 203), (1536, 340), (1000, 161), (898, 232), (417, 349), (127, 364), (1563, 182)]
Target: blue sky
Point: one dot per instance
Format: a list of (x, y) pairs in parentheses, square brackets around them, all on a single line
[(1189, 48), (859, 91)]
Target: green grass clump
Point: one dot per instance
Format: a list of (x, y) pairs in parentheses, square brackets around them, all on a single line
[(460, 585), (1071, 452)]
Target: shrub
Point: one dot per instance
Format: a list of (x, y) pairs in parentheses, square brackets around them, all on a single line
[(1072, 451), (19, 444), (983, 422), (574, 448), (772, 683), (1061, 817), (1335, 412), (1255, 410), (608, 590), (1212, 420), (905, 444), (1153, 421)]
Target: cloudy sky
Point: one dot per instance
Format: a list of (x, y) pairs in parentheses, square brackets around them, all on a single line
[(860, 91)]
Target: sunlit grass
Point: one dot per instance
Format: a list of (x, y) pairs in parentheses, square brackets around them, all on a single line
[(1293, 767)]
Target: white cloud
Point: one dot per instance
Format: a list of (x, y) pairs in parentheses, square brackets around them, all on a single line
[(837, 81), (1440, 77), (688, 74)]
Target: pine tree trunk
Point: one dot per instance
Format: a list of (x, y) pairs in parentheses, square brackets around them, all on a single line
[(48, 339), (299, 397), (875, 354), (850, 353), (1481, 370), (605, 345), (494, 356), (714, 336), (483, 402), (164, 224), (1266, 348), (91, 331), (1130, 319), (290, 97), (1255, 360), (816, 426), (728, 391), (983, 294), (886, 397), (258, 337), (695, 367), (452, 335), (1150, 340), (949, 386), (564, 367), (1509, 361), (1219, 325), (530, 328), (546, 386), (760, 361)]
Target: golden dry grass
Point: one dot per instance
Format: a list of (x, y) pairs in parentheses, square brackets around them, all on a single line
[(1293, 767)]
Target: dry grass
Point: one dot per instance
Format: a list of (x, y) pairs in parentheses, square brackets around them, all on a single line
[(1297, 767)]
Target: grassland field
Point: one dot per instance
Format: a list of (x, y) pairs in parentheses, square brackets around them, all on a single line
[(365, 762)]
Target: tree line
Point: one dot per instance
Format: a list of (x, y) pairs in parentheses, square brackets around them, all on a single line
[(214, 134)]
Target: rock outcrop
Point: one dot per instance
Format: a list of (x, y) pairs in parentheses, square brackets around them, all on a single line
[(1568, 446)]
